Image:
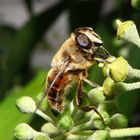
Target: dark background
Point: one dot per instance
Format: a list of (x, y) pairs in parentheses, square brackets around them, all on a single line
[(31, 31)]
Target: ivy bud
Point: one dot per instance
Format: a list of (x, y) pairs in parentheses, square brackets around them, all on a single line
[(118, 121), (106, 71), (96, 96), (49, 129), (65, 122), (108, 86), (26, 104), (127, 30), (106, 64), (97, 120), (25, 132), (100, 135), (135, 4), (119, 69)]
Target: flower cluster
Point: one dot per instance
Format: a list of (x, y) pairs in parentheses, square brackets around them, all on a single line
[(75, 124)]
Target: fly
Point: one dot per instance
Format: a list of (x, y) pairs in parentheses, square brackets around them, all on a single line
[(71, 63)]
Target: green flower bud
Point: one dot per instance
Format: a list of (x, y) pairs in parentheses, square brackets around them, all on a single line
[(119, 69), (41, 137), (118, 121), (106, 117), (100, 135), (106, 66), (65, 122), (135, 4), (26, 104), (108, 86), (127, 30), (97, 120), (106, 71), (96, 96), (25, 132), (49, 129)]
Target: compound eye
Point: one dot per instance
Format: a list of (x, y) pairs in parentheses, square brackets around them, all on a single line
[(83, 41)]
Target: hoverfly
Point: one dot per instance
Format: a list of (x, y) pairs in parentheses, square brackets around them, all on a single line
[(79, 52)]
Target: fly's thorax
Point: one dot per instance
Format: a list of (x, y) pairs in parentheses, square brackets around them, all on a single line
[(66, 50), (79, 59)]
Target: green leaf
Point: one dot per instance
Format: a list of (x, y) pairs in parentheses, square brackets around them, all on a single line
[(127, 102), (10, 116)]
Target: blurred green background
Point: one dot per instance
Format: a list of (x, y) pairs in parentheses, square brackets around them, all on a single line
[(31, 31)]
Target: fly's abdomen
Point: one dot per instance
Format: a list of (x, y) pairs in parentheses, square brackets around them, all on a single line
[(55, 94)]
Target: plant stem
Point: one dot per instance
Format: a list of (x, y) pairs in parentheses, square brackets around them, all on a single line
[(131, 86), (121, 87), (86, 126), (133, 73), (43, 115), (137, 43), (125, 132)]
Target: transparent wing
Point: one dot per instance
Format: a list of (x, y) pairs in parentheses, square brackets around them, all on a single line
[(46, 90)]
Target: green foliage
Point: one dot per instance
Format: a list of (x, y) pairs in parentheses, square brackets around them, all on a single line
[(103, 122), (10, 116)]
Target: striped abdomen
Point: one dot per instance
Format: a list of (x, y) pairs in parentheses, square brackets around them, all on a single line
[(55, 94)]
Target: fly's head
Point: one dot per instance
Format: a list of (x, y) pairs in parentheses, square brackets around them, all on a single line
[(90, 42)]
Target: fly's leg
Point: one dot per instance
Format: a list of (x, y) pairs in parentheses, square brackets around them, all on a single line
[(91, 83), (79, 99), (79, 92), (101, 60)]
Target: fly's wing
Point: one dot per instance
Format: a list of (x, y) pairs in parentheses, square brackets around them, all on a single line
[(46, 91)]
